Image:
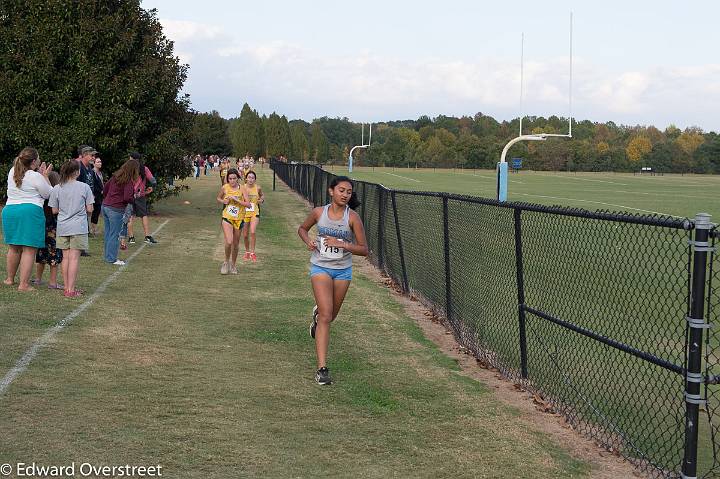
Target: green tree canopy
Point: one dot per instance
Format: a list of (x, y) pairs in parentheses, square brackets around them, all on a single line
[(477, 141), (299, 141), (210, 134), (246, 133), (319, 145), (90, 72), (277, 134)]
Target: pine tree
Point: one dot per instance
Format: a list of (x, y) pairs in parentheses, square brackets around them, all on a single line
[(301, 148), (247, 133), (319, 145), (278, 136)]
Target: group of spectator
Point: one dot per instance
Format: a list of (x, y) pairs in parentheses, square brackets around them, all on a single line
[(205, 164), (48, 215)]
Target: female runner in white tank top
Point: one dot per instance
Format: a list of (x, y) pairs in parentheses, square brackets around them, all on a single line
[(340, 236)]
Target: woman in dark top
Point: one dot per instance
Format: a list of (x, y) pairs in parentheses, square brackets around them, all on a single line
[(117, 193), (98, 185)]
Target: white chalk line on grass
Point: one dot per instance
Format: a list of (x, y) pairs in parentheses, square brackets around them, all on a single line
[(691, 181), (403, 177), (662, 195), (495, 178), (22, 364), (584, 179), (601, 203)]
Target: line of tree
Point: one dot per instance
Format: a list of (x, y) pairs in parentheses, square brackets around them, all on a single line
[(100, 73), (472, 142)]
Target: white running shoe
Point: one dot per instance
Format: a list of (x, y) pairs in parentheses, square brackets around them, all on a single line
[(224, 268), (119, 263)]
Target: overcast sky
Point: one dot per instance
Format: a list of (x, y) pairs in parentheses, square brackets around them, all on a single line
[(635, 61)]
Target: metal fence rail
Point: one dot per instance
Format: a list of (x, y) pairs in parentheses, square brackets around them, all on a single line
[(606, 315)]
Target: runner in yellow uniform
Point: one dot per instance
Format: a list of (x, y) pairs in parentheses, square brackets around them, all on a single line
[(253, 195), (224, 166), (231, 196), (245, 170)]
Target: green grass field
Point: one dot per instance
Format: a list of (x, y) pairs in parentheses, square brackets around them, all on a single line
[(675, 195), (211, 376)]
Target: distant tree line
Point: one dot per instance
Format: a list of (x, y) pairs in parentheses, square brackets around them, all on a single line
[(464, 142)]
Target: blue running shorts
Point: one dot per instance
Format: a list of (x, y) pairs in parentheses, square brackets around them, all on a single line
[(344, 273)]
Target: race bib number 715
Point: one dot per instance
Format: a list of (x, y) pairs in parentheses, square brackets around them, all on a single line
[(330, 252)]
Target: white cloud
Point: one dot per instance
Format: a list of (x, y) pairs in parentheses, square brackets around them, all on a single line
[(184, 56), (293, 78), (623, 93), (696, 71), (184, 30)]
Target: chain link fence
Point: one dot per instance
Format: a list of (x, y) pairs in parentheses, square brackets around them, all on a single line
[(596, 312)]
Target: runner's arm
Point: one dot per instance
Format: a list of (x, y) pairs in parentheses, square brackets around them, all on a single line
[(221, 197), (246, 198), (359, 247), (309, 222)]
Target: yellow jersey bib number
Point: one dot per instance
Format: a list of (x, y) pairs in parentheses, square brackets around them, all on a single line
[(233, 211)]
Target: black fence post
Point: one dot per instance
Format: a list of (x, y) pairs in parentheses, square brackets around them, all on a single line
[(273, 179), (300, 181), (381, 228), (446, 247), (696, 325), (308, 193), (309, 179), (327, 179), (406, 287), (364, 203), (317, 178), (520, 292)]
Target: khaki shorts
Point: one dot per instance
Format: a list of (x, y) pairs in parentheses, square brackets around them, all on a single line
[(72, 242)]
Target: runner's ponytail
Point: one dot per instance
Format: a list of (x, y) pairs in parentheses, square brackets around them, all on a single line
[(354, 201)]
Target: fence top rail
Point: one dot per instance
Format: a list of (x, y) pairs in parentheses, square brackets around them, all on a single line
[(617, 216)]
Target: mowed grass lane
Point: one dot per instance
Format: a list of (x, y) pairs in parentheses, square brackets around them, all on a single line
[(212, 376), (676, 195)]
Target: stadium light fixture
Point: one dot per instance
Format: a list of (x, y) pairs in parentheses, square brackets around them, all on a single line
[(361, 145), (502, 166)]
